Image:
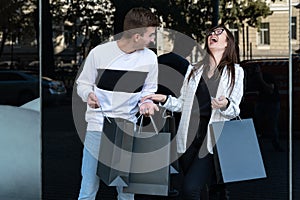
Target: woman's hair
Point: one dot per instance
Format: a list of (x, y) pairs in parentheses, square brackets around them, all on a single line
[(137, 20), (229, 58)]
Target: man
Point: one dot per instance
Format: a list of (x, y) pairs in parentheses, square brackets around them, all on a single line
[(102, 86)]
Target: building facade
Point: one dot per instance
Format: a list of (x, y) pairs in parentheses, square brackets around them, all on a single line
[(271, 39)]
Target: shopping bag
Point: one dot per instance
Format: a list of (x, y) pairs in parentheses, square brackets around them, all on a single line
[(150, 162), (115, 151), (170, 127), (237, 153)]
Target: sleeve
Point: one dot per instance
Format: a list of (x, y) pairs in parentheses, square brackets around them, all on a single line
[(150, 85), (87, 77), (236, 95), (175, 104)]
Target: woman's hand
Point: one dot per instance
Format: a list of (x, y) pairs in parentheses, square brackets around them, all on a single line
[(155, 97), (219, 103)]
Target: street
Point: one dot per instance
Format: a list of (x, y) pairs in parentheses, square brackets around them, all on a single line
[(62, 151)]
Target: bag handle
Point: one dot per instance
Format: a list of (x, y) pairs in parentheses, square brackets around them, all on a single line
[(237, 118), (152, 121), (235, 111), (101, 110), (164, 115), (103, 113)]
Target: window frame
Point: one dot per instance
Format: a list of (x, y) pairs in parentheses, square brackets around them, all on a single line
[(294, 28), (263, 38)]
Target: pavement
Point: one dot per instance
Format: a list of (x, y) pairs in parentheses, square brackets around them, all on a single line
[(61, 164)]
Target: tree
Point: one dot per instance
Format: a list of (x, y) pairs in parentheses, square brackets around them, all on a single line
[(244, 12), (84, 18), (194, 17), (121, 8), (47, 62), (241, 12), (185, 16), (17, 21)]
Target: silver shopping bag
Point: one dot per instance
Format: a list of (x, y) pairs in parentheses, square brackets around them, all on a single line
[(237, 153), (149, 173), (115, 151)]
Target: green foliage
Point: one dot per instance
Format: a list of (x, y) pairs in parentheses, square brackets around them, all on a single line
[(240, 12), (93, 16), (17, 21), (185, 16), (194, 17), (255, 11), (96, 18), (18, 18)]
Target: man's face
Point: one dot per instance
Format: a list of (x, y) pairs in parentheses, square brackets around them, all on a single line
[(147, 38)]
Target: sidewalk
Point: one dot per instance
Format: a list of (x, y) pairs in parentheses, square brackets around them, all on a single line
[(62, 151)]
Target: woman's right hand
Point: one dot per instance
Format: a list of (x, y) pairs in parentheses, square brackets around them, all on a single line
[(155, 97)]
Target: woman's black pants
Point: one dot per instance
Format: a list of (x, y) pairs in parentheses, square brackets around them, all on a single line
[(198, 172)]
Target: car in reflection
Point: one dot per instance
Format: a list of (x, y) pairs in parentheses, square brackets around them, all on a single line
[(20, 87), (9, 65), (32, 66), (66, 67), (279, 69)]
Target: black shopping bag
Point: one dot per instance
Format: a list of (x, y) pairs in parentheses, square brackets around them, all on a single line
[(170, 127), (115, 151), (150, 162), (237, 154)]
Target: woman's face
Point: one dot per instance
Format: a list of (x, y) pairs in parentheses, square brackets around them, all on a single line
[(217, 39)]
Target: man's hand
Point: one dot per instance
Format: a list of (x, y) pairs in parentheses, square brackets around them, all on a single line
[(148, 108), (93, 100)]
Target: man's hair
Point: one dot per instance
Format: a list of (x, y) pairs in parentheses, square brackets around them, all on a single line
[(137, 20)]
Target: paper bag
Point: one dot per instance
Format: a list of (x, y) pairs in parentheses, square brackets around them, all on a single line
[(115, 152), (150, 162), (237, 153)]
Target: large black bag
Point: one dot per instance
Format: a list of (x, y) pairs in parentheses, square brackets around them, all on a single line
[(150, 164), (171, 127), (237, 154), (115, 151)]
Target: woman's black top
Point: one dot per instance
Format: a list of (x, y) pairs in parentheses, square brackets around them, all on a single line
[(206, 89)]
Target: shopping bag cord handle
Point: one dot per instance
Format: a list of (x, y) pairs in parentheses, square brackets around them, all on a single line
[(103, 113), (152, 121), (239, 118)]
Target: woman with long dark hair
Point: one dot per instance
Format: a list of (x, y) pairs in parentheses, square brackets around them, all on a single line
[(216, 83)]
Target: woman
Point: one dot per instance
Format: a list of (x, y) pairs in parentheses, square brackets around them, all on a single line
[(217, 84)]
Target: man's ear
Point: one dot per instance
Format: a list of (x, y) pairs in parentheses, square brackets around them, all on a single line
[(136, 37)]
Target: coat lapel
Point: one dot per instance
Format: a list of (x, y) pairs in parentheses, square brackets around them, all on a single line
[(189, 95)]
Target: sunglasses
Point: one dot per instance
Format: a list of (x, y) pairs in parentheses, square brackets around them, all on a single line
[(217, 31)]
